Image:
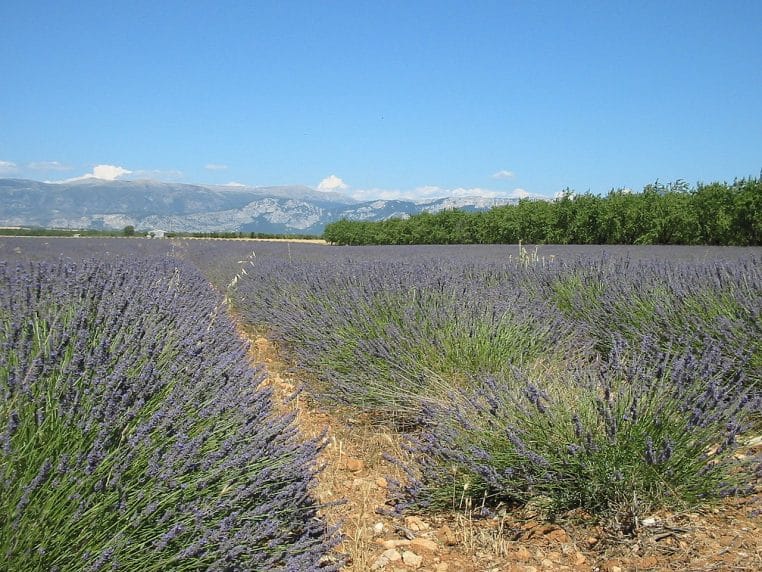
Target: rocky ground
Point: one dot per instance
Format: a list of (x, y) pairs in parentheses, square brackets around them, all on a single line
[(353, 485)]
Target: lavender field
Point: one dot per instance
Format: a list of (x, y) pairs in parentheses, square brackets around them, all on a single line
[(134, 434), (613, 379)]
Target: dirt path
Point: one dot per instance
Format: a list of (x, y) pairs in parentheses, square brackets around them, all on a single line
[(728, 537)]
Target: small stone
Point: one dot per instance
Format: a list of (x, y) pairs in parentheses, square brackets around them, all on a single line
[(415, 523), (378, 529), (354, 465), (592, 541), (547, 563), (650, 521), (522, 554), (579, 559), (424, 544), (648, 562), (392, 555), (412, 559), (381, 483), (442, 567), (379, 563)]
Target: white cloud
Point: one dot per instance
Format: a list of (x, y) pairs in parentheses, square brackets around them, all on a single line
[(215, 167), (519, 194), (417, 194), (375, 194), (104, 172), (109, 172), (233, 184), (503, 175), (48, 166), (7, 167), (332, 183)]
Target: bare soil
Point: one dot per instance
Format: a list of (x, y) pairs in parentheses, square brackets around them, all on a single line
[(726, 537)]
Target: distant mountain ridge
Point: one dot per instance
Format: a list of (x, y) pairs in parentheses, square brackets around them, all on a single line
[(101, 204)]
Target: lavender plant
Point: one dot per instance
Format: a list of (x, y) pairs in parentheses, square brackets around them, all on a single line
[(605, 383), (134, 434), (619, 439)]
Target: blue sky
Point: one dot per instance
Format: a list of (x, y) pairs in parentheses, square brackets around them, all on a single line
[(383, 99)]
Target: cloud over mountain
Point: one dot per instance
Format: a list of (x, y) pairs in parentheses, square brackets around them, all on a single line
[(103, 172), (48, 166), (332, 183)]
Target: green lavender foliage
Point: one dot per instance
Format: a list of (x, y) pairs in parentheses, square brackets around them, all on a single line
[(607, 383)]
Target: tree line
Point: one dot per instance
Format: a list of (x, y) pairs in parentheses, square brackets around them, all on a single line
[(674, 213)]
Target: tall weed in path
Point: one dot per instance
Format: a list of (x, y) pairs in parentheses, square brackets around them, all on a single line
[(133, 433)]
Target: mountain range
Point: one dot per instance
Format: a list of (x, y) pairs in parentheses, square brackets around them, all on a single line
[(92, 203)]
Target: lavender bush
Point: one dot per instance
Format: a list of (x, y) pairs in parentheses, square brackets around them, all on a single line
[(134, 434), (619, 440)]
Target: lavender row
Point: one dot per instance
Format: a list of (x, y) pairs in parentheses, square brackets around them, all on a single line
[(377, 330), (586, 382), (381, 333), (620, 373), (133, 432)]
